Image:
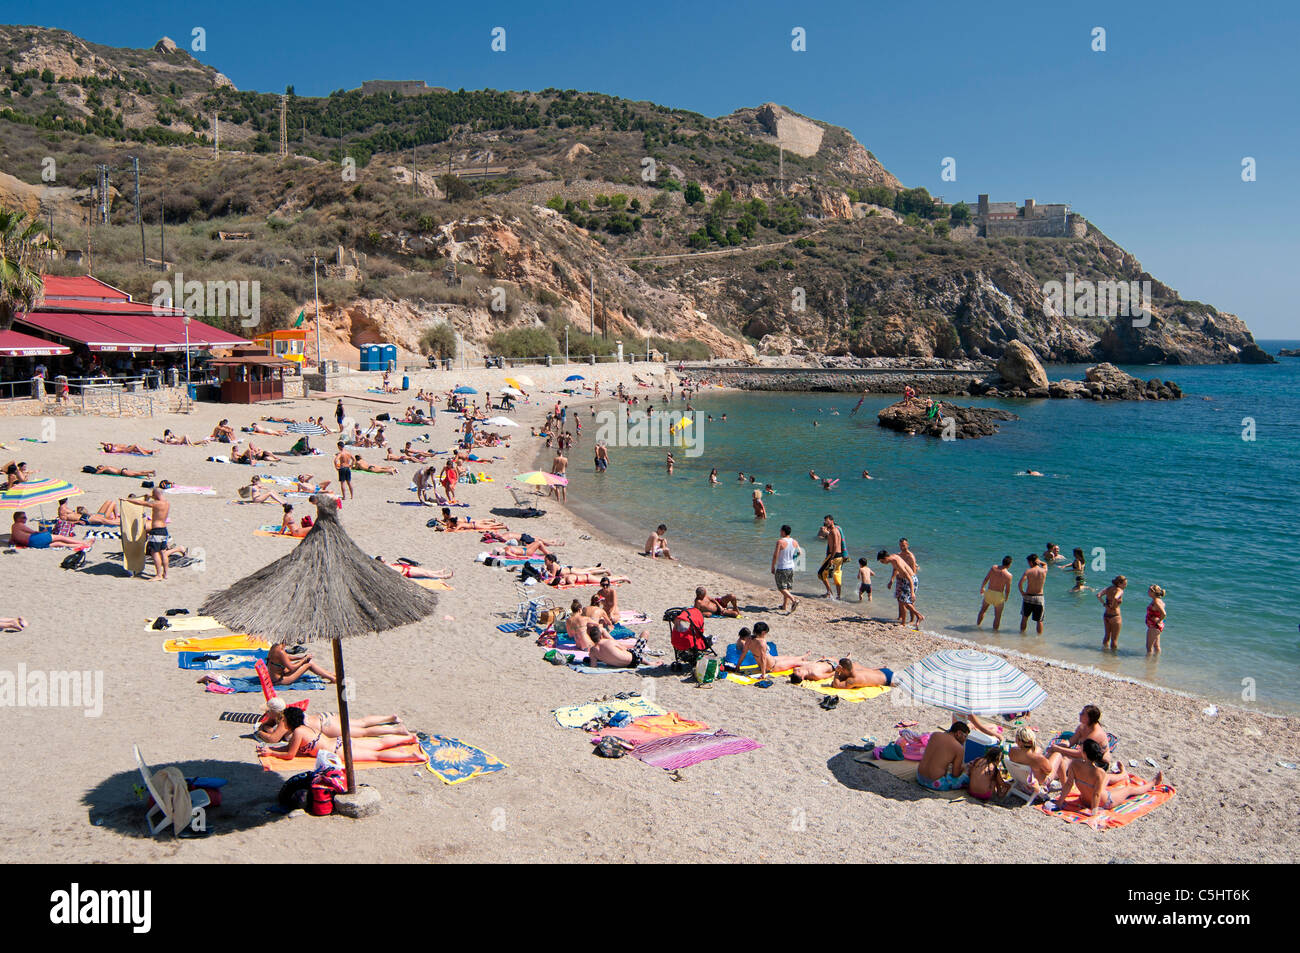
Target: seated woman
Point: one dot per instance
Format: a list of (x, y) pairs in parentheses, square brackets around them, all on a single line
[(123, 471), (126, 448), (107, 515), (1097, 789), (1043, 768), (20, 534), (304, 742), (254, 492), (986, 778), (257, 453), (180, 440), (301, 448), (223, 432), (606, 651), (286, 669), (416, 572), (289, 526), (366, 467), (274, 728), (755, 644)]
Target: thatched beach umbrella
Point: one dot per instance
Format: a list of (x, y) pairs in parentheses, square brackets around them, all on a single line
[(326, 588)]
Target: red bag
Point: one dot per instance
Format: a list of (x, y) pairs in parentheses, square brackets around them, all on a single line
[(320, 801)]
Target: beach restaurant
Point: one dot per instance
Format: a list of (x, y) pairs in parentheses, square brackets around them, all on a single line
[(250, 374), (88, 328)]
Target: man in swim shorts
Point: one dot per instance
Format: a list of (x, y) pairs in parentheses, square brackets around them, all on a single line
[(848, 674), (994, 591), (836, 557), (343, 461), (20, 534), (901, 582), (158, 545), (943, 766), (1033, 604)]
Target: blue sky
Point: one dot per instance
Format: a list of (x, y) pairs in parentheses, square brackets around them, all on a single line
[(1145, 139)]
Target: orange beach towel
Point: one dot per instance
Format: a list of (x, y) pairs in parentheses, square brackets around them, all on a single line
[(1072, 811)]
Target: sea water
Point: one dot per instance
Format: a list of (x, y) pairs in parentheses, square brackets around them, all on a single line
[(1198, 496)]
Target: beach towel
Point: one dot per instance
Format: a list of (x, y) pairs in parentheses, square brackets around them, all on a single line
[(435, 584), (241, 684), (455, 761), (730, 658), (190, 490), (273, 529), (241, 717), (412, 753), (651, 728), (682, 751), (1072, 810), (103, 534), (823, 685), (188, 623), (630, 617), (605, 669), (219, 643), (580, 655), (217, 661), (754, 679), (578, 715)]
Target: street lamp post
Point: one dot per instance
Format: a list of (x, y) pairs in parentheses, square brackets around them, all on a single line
[(187, 352)]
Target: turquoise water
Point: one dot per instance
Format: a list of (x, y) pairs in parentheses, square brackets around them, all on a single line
[(1170, 491)]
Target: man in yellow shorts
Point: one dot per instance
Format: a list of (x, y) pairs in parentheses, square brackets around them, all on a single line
[(835, 556), (995, 590)]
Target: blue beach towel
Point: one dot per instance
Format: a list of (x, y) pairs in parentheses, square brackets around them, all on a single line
[(217, 661), (250, 683)]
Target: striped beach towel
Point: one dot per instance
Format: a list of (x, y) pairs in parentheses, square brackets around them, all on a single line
[(682, 751)]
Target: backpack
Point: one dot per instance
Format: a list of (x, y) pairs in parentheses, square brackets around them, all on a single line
[(74, 560), (293, 793), (529, 571)]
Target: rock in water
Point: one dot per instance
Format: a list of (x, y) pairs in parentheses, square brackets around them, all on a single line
[(959, 423), (1020, 368)]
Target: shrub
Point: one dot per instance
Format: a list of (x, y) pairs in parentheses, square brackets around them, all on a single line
[(524, 342), (439, 340)]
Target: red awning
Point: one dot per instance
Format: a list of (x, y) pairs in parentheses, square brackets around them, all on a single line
[(15, 344), (129, 332)]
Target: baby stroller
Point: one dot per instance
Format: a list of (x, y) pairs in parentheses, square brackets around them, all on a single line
[(686, 633)]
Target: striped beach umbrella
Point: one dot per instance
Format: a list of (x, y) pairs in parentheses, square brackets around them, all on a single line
[(968, 682), (307, 429), (521, 381), (499, 422), (542, 478), (35, 492), (512, 391)]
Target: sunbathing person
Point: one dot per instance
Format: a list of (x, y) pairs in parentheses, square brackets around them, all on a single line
[(123, 471), (180, 440), (255, 427), (134, 448), (606, 651), (16, 624), (291, 526), (609, 599), (286, 669), (416, 572), (21, 534), (1043, 768), (456, 524), (1098, 789), (223, 432), (813, 671), (755, 644), (107, 515), (558, 575), (301, 448), (849, 674), (365, 467), (722, 605), (273, 729), (254, 492), (304, 742), (1089, 727), (522, 552), (252, 454), (943, 766), (576, 624), (986, 775)]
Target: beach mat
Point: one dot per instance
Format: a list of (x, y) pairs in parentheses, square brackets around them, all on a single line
[(748, 661), (103, 534), (754, 679), (190, 491), (606, 669), (272, 529), (242, 684), (217, 661), (219, 643), (905, 771), (187, 623), (651, 728), (576, 716), (415, 755), (1071, 811), (455, 761), (823, 685), (435, 584), (682, 751)]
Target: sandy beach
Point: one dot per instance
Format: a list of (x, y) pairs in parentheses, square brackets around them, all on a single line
[(68, 779)]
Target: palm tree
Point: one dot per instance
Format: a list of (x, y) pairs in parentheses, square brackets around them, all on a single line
[(21, 261)]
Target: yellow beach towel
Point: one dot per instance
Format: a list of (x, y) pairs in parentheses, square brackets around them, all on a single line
[(220, 643), (751, 680), (436, 584), (188, 623), (823, 685)]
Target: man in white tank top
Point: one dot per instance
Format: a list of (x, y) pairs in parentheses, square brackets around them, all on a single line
[(783, 560)]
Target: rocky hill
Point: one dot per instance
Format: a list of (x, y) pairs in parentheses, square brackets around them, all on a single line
[(760, 232)]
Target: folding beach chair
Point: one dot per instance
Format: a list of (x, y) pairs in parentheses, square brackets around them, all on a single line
[(526, 501), (199, 802)]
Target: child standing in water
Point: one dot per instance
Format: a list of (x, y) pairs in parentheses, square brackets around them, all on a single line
[(1155, 619), (864, 579)]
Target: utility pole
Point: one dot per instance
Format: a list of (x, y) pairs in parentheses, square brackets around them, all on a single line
[(162, 230), (591, 272), (413, 148), (135, 167), (316, 288), (566, 344), (216, 135)]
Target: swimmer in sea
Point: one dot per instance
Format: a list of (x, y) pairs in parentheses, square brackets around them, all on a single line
[(1032, 473), (866, 475), (812, 475)]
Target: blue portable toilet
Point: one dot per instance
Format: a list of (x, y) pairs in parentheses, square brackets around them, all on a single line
[(371, 355), (388, 358)]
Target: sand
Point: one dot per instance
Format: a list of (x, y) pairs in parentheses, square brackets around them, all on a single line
[(68, 779)]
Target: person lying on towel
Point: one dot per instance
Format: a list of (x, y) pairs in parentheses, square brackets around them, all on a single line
[(304, 742), (275, 729), (606, 651)]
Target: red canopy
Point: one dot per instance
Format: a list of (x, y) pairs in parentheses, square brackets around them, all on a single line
[(15, 344), (129, 332)]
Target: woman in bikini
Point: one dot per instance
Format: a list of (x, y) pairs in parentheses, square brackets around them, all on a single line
[(986, 775), (1043, 769), (304, 742), (1155, 619), (274, 729), (107, 515), (286, 669), (1112, 597), (180, 440), (1077, 567), (416, 572), (1098, 790)]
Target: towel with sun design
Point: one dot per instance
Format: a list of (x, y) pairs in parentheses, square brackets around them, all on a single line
[(454, 761)]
